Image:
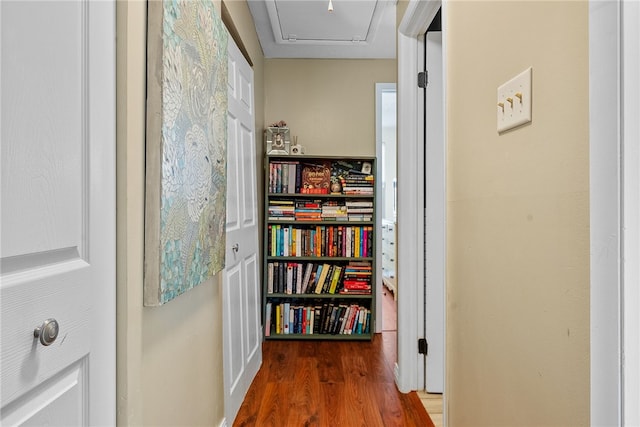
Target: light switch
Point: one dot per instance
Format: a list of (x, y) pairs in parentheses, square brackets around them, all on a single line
[(514, 101)]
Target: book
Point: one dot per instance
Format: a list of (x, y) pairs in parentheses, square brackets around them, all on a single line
[(286, 243), (307, 277), (270, 278), (322, 278), (285, 317), (316, 178), (289, 278), (317, 315), (337, 273), (292, 311), (299, 271), (267, 325)]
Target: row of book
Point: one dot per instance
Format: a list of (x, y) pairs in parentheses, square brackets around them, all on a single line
[(320, 240), (305, 177), (353, 278), (291, 177), (287, 318), (319, 210)]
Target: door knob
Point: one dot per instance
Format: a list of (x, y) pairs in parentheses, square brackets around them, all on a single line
[(47, 332), (235, 247)]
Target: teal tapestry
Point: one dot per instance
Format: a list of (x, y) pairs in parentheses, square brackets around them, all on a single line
[(186, 147)]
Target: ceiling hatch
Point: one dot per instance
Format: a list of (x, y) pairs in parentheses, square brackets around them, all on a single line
[(305, 28)]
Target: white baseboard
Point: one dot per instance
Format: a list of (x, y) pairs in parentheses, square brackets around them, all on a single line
[(223, 423)]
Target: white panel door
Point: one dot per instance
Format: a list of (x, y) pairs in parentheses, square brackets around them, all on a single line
[(57, 212), (241, 287), (434, 214)]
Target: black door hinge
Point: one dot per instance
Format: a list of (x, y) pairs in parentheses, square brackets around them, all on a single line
[(423, 79), (423, 346)]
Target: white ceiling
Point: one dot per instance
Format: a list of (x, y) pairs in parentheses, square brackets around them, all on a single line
[(306, 29)]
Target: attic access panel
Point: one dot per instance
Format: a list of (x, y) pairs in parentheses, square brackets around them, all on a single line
[(309, 20)]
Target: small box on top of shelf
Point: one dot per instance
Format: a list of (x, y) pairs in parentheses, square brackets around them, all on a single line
[(319, 247)]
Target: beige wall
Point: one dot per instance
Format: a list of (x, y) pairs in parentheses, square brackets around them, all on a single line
[(169, 358), (329, 104), (518, 217)]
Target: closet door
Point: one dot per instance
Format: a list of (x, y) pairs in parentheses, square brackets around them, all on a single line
[(241, 282)]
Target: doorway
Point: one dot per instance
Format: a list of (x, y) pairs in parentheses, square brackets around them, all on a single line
[(410, 369), (386, 286)]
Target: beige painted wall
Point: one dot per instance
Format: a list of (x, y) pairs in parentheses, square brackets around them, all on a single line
[(329, 104), (518, 217), (169, 358)]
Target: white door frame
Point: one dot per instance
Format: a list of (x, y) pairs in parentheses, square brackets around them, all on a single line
[(409, 369), (614, 89), (434, 214), (102, 84), (631, 211)]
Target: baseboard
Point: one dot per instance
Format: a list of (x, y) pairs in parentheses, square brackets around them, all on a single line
[(223, 423)]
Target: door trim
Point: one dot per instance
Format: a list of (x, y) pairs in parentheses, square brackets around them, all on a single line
[(409, 369), (614, 42), (102, 133)]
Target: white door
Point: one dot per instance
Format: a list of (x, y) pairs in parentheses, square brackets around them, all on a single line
[(241, 287), (435, 214), (58, 212)]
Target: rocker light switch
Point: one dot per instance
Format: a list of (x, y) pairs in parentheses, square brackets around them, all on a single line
[(514, 101)]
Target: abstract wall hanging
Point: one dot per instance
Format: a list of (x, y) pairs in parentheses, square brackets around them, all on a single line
[(185, 147)]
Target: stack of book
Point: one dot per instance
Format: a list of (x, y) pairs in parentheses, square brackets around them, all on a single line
[(281, 210), (359, 210), (357, 279), (357, 184), (332, 211), (308, 211)]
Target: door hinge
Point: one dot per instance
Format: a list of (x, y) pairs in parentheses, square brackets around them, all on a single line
[(423, 346), (423, 79)]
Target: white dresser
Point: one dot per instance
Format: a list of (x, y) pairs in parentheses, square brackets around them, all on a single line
[(389, 255)]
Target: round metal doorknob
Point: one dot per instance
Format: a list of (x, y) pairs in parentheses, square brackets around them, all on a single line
[(235, 247), (47, 332)]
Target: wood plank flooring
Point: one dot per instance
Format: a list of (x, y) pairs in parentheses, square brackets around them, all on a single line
[(330, 383), (389, 311)]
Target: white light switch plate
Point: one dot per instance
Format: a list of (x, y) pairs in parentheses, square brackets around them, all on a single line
[(514, 101)]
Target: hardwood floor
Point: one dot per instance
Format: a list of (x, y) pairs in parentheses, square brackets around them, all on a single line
[(330, 383), (389, 311)]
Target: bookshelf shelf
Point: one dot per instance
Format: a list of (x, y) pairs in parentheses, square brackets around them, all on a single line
[(327, 337), (319, 296), (318, 246), (316, 258), (301, 221), (318, 196)]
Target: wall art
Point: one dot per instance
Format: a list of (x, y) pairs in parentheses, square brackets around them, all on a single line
[(185, 147)]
